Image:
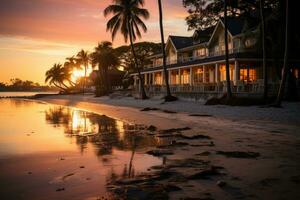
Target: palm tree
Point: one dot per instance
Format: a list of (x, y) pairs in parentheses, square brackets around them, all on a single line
[(127, 20), (285, 59), (169, 97), (83, 59), (69, 66), (265, 75), (104, 57), (56, 76), (229, 93)]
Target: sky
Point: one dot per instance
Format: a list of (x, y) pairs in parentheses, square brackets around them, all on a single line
[(35, 34)]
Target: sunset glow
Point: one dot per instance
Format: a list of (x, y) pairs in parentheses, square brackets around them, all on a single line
[(35, 34), (79, 73)]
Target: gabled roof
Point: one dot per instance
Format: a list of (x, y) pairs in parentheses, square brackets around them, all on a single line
[(180, 42), (235, 25), (201, 36)]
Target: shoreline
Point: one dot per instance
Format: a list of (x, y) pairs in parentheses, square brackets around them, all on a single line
[(243, 157)]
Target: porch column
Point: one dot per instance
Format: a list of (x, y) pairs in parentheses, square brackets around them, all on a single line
[(217, 73), (179, 74), (145, 79), (191, 76), (204, 74), (153, 78), (169, 77), (134, 80), (236, 72)]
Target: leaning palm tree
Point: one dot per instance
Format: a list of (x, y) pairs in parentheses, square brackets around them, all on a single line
[(285, 59), (104, 57), (229, 92), (169, 97), (83, 59), (127, 20), (56, 76)]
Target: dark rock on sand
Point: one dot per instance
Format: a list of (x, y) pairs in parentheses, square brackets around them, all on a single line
[(174, 130), (194, 137), (200, 115), (149, 109), (239, 154), (206, 173), (159, 152), (152, 128), (169, 111), (60, 189), (221, 183), (204, 153)]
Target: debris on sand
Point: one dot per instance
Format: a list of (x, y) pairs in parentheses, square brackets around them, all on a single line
[(204, 153), (152, 128), (206, 173), (169, 111), (200, 115), (221, 183), (81, 167), (174, 130), (239, 154), (60, 189), (160, 152), (194, 137), (67, 176), (149, 109)]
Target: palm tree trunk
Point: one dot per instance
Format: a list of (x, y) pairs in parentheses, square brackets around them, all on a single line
[(56, 85), (84, 79), (169, 96), (265, 71), (285, 59), (229, 93), (143, 93)]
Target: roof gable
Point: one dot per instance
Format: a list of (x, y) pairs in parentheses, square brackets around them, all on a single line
[(180, 42)]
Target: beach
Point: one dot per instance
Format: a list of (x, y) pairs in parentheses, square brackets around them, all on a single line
[(214, 152)]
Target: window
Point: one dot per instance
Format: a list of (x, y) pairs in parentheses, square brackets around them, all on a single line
[(158, 79), (198, 75), (200, 52), (185, 76), (248, 74)]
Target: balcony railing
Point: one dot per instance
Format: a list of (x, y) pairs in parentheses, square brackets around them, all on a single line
[(192, 58)]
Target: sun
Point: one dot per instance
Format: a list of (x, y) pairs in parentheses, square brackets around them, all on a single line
[(79, 73)]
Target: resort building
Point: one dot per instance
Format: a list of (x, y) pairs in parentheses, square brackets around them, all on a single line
[(196, 65)]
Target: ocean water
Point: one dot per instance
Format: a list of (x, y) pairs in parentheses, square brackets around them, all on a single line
[(55, 152), (21, 94)]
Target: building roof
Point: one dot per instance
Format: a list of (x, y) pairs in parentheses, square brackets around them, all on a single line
[(181, 41), (235, 25), (201, 36)]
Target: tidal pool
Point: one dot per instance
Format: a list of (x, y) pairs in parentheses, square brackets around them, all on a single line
[(55, 152)]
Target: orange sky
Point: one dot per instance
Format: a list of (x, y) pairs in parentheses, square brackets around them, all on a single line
[(34, 34)]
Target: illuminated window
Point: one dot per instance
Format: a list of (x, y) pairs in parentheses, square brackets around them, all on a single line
[(248, 74), (185, 77), (158, 79), (198, 75)]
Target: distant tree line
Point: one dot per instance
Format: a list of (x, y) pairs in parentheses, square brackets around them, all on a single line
[(17, 84)]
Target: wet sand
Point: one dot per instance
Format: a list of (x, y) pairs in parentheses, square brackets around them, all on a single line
[(239, 159)]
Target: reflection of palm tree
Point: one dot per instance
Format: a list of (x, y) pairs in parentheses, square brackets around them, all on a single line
[(127, 19)]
